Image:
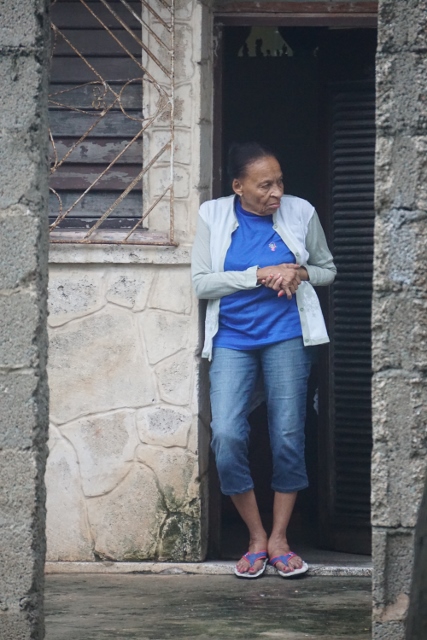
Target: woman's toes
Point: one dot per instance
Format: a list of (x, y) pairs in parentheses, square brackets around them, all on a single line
[(287, 568)]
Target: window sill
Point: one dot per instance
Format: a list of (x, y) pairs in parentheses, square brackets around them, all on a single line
[(108, 246)]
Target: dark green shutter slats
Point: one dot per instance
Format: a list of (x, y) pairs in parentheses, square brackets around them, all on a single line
[(352, 224)]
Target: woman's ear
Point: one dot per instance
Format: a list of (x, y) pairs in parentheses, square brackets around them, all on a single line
[(237, 186)]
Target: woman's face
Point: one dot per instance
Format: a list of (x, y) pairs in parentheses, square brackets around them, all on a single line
[(261, 188)]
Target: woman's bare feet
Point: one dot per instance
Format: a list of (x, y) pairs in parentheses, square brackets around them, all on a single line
[(278, 546), (255, 546)]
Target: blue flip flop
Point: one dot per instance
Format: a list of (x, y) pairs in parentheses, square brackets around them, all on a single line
[(252, 558), (285, 559)]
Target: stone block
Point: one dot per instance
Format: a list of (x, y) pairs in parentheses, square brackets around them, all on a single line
[(160, 75), (18, 499), (67, 527), (393, 561), (184, 232), (129, 287), (164, 426), (183, 148), (20, 23), (157, 138), (165, 333), (400, 446), (159, 179), (172, 290), (17, 540), (18, 401), (160, 217), (23, 126), (184, 9), (402, 26), (401, 175), (22, 178), (184, 62), (125, 523), (177, 473), (20, 106), (97, 364), (175, 378), (105, 446), (18, 241), (399, 318), (74, 292), (401, 94), (20, 311)]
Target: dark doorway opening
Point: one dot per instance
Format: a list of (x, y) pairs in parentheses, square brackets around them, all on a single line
[(308, 92)]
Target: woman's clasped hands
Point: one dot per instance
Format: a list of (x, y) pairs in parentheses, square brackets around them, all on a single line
[(283, 278)]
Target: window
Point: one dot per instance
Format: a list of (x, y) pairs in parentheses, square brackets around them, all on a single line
[(111, 120)]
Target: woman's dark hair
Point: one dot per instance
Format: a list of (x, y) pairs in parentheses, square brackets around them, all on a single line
[(242, 154)]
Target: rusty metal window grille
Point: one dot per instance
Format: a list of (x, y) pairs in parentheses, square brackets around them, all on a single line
[(111, 106)]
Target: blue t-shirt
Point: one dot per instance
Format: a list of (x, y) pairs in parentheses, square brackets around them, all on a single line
[(253, 318)]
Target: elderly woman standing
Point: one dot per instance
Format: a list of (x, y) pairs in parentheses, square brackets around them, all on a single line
[(256, 256)]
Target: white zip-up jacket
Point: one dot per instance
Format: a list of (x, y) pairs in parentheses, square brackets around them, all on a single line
[(297, 223)]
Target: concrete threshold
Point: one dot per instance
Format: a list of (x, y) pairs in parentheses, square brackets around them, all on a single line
[(359, 570)]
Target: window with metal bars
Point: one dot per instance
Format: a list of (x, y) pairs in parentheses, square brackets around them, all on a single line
[(105, 56)]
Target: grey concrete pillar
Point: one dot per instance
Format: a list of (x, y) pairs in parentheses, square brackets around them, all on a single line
[(399, 307), (23, 342)]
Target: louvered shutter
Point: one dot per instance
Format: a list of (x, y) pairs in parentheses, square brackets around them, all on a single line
[(352, 149), (86, 61)]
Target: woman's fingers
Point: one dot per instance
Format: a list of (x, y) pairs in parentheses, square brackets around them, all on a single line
[(288, 293), (276, 282), (273, 281), (286, 281)]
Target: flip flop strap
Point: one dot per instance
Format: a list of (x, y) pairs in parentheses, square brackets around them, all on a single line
[(253, 557), (285, 559)]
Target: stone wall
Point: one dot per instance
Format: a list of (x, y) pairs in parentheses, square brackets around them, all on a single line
[(126, 475), (23, 340), (399, 307)]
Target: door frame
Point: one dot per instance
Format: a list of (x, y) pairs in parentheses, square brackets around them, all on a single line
[(354, 15)]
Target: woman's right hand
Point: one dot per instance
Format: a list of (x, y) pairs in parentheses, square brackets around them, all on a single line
[(283, 278)]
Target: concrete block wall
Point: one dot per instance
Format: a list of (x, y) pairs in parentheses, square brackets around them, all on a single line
[(127, 470), (399, 307), (24, 37)]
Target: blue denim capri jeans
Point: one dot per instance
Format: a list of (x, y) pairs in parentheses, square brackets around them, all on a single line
[(285, 367)]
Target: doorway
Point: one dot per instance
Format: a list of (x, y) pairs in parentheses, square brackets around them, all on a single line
[(308, 92)]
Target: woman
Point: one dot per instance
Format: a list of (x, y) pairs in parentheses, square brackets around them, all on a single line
[(255, 258)]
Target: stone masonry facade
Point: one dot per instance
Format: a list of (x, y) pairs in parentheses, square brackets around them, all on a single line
[(127, 470), (399, 307), (123, 475)]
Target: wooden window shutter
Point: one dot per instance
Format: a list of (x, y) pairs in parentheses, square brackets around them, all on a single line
[(346, 519), (87, 65)]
